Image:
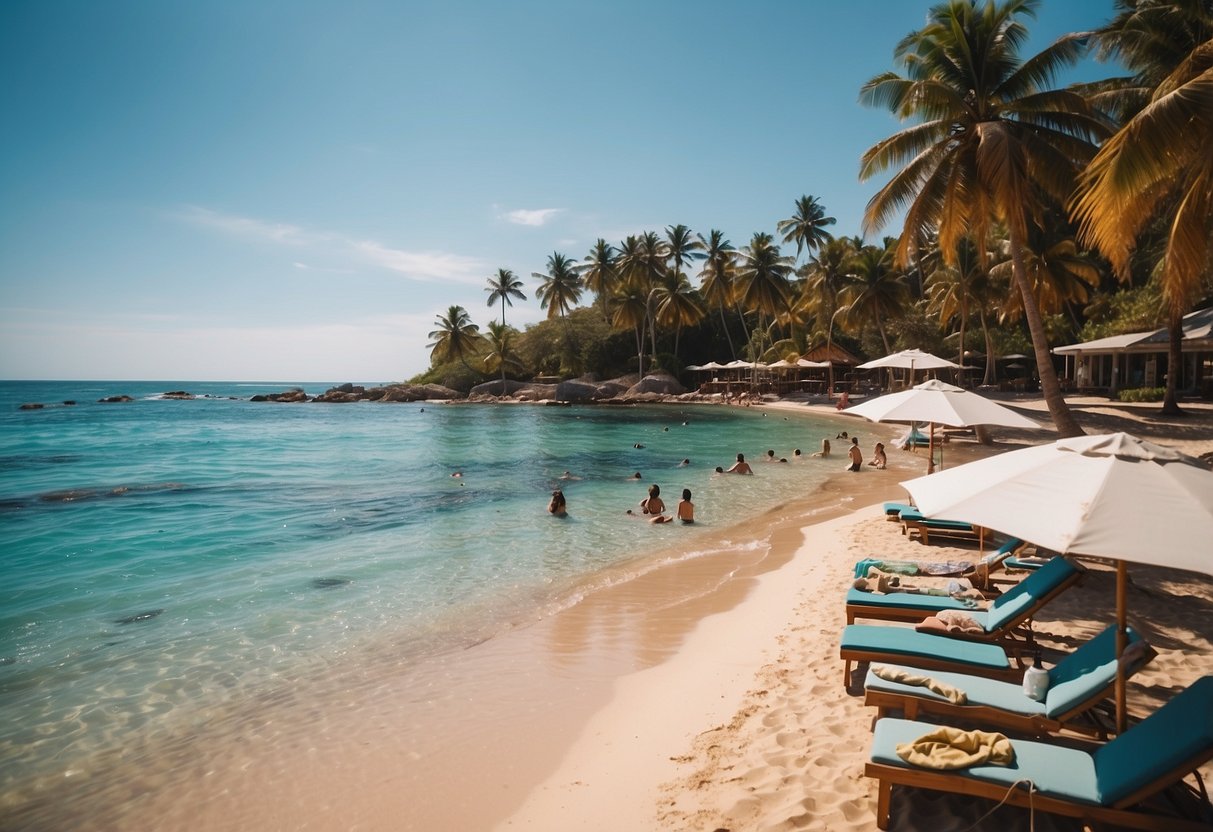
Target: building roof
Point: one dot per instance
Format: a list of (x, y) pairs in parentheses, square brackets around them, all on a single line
[(1197, 329)]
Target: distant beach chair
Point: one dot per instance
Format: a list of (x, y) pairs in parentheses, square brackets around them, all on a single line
[(1116, 783), (914, 522), (1015, 606), (1078, 684)]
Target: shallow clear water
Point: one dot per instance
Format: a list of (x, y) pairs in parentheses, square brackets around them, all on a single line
[(161, 557)]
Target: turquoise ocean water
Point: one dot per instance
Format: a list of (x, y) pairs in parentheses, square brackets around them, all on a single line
[(163, 557)]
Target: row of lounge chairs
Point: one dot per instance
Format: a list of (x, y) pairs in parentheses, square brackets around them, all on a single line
[(976, 679)]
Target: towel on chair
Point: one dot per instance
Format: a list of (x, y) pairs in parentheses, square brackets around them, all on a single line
[(895, 674), (951, 748)]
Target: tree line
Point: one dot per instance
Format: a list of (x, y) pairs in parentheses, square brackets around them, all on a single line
[(1033, 214)]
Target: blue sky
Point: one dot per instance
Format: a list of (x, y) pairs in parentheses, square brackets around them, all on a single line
[(293, 190)]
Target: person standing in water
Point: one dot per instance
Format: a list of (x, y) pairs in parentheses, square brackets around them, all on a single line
[(558, 507), (653, 504), (740, 466), (686, 509), (856, 455)]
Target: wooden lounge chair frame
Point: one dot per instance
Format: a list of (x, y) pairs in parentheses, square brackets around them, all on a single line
[(924, 526), (1129, 810)]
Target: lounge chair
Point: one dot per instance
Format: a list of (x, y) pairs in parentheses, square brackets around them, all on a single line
[(914, 522), (1110, 783), (1007, 611), (1077, 684), (987, 563), (892, 511), (901, 645)]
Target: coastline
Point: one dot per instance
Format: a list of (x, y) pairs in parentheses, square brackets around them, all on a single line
[(640, 703)]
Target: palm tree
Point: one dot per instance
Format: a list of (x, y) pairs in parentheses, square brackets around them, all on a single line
[(455, 338), (1061, 276), (1157, 165), (717, 276), (677, 304), (560, 287), (874, 290), (504, 286), (992, 141), (681, 246), (642, 265), (824, 276), (600, 272), (807, 227), (762, 279), (502, 353), (629, 308)]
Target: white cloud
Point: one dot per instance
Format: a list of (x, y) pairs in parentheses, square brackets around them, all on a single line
[(421, 265), (244, 226), (536, 217), (428, 266)]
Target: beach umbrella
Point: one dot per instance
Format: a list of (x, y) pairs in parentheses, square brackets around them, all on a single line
[(909, 360), (1111, 496), (712, 365), (814, 365), (938, 402)]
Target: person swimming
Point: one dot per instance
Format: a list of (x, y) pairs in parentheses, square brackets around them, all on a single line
[(558, 507), (684, 463)]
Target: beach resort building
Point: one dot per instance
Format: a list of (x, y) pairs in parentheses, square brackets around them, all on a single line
[(1139, 359)]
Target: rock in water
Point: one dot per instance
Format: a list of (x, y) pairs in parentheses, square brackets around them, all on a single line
[(329, 583), (143, 616)]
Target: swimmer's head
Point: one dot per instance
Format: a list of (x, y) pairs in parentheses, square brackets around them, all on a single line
[(719, 470), (686, 493), (741, 457)]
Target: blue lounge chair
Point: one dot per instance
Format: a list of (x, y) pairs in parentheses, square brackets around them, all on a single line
[(1007, 611), (892, 511), (901, 645), (1107, 784), (987, 563), (1077, 684)]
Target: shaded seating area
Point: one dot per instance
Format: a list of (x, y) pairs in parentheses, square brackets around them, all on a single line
[(1008, 611), (1116, 783), (1078, 686)]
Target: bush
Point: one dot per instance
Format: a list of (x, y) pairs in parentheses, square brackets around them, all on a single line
[(1143, 394)]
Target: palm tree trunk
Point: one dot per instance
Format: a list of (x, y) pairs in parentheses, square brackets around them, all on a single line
[(964, 315), (988, 378), (1063, 419), (1175, 357), (728, 336)]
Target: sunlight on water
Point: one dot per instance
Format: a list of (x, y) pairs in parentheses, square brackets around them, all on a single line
[(162, 557)]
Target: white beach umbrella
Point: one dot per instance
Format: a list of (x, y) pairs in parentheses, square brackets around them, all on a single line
[(781, 364), (1113, 496), (909, 359), (814, 365), (938, 402), (712, 365)]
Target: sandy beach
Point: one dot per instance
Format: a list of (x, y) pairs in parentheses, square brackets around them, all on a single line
[(748, 726)]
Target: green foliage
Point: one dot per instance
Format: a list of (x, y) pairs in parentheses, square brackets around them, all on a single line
[(452, 374), (1143, 394), (1129, 310)]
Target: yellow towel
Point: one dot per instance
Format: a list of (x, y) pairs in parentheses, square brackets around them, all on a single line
[(945, 749), (897, 674)]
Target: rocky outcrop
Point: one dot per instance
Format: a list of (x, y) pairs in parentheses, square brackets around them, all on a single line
[(32, 406), (341, 394), (115, 399), (577, 391), (658, 384), (177, 394), (295, 394), (496, 388)]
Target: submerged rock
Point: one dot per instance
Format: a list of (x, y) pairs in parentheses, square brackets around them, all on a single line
[(329, 583), (115, 399), (142, 616), (32, 406)]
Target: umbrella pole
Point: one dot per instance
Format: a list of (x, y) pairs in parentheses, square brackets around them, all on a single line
[(1122, 639), (931, 451)]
